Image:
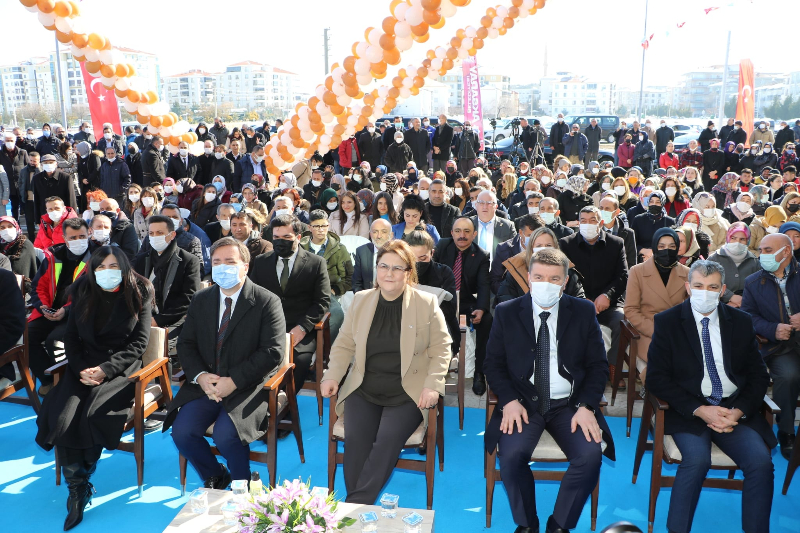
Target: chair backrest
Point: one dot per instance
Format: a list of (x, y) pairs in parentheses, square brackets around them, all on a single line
[(155, 348), (21, 284), (351, 243)]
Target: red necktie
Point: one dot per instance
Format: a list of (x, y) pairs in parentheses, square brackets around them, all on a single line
[(457, 270)]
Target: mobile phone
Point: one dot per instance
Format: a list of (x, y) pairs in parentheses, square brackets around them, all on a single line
[(47, 310)]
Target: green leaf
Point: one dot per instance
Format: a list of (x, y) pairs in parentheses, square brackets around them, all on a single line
[(347, 522)]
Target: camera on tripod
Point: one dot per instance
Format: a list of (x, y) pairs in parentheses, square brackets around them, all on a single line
[(493, 123), (514, 123)]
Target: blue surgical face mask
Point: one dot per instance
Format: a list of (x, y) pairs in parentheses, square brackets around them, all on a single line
[(237, 207), (525, 241), (226, 276), (768, 261), (547, 217), (108, 279), (46, 133), (218, 186)]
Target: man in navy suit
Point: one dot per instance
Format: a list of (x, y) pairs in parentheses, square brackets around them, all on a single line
[(364, 265), (546, 362), (704, 362)]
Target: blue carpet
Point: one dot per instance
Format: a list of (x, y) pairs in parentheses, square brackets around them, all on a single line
[(28, 494)]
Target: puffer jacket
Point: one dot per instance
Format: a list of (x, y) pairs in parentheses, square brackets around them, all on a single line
[(340, 264)]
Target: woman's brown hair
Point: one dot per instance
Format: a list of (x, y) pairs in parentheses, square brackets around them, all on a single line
[(403, 250)]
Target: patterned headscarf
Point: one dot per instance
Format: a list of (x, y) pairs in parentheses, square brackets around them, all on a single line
[(367, 196), (737, 226), (6, 246), (727, 185), (391, 183), (576, 184), (698, 214)]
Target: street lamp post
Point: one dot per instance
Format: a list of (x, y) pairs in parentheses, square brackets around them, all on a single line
[(644, 51)]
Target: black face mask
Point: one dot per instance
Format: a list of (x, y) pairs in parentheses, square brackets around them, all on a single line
[(654, 210), (160, 196), (335, 186), (793, 208), (665, 258), (422, 268), (110, 214), (283, 247)]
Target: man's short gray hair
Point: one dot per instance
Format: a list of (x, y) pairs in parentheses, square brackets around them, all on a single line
[(220, 207), (552, 257), (493, 195), (591, 209), (705, 268), (549, 199), (287, 199)]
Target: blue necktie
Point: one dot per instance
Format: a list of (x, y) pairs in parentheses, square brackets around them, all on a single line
[(484, 236), (716, 383), (542, 371)]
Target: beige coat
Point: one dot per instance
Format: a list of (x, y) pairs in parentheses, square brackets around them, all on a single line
[(647, 296), (361, 228), (424, 345), (717, 232)]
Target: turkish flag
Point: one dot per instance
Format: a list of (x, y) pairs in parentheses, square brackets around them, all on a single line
[(102, 104), (745, 104)]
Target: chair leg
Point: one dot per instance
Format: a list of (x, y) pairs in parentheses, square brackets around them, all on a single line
[(182, 464), (632, 373), (332, 448), (794, 462), (616, 370), (272, 436), (462, 366), (58, 469), (430, 459), (731, 473), (30, 386), (489, 461), (655, 476), (138, 450), (595, 499), (317, 387), (292, 398), (644, 429), (440, 436)]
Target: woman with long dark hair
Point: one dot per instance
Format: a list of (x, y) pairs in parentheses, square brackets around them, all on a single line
[(413, 213), (204, 208), (348, 218), (383, 207), (107, 333)]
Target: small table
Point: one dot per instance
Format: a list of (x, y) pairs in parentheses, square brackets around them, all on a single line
[(211, 521)]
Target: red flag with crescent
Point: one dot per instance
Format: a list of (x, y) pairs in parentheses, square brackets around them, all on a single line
[(102, 104), (745, 104)]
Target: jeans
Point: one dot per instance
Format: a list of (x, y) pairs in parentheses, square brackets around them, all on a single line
[(748, 450)]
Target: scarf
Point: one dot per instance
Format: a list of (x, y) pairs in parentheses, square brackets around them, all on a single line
[(735, 208), (391, 183), (692, 246), (12, 249), (727, 186), (576, 184)]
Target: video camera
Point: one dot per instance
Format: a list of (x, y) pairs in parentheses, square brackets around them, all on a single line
[(493, 123), (514, 122)]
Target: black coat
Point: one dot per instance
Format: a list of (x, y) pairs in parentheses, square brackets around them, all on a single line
[(560, 230), (12, 312), (253, 348), (510, 288), (205, 164), (675, 369), (663, 136), (438, 275), (362, 267), (152, 165), (22, 256), (308, 293), (222, 167), (785, 135), (59, 184), (370, 146), (134, 162), (581, 360), (397, 157), (474, 273), (712, 161), (207, 213), (443, 139), (177, 170), (571, 205), (47, 145), (79, 416), (449, 215), (557, 132), (116, 142), (603, 266), (420, 143), (12, 164), (705, 139), (181, 280), (214, 232), (123, 234), (629, 237), (737, 136), (645, 226)]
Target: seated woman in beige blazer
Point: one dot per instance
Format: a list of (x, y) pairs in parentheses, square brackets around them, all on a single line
[(397, 341), (348, 218), (654, 286)]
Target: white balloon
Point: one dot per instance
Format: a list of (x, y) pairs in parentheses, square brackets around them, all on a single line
[(165, 132), (320, 91), (349, 131), (403, 43), (338, 89), (117, 56), (306, 135), (344, 100), (380, 102), (75, 51), (158, 108), (408, 82), (523, 13), (130, 107), (466, 43), (362, 66), (106, 57), (493, 33), (436, 63), (361, 49), (285, 139), (463, 53), (47, 19), (78, 25), (321, 108), (447, 9), (196, 148), (180, 127), (292, 148), (405, 92), (441, 52), (374, 36), (374, 53), (402, 29), (337, 74), (325, 139), (33, 9), (497, 22), (172, 149), (502, 11), (304, 111), (121, 84), (433, 73), (527, 5), (144, 109), (64, 24), (471, 32), (302, 124), (329, 127), (383, 91), (94, 74), (400, 12), (364, 79), (278, 162), (414, 15), (323, 149), (108, 82)]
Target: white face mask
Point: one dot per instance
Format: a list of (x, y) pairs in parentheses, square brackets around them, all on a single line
[(606, 217), (545, 180), (8, 235), (548, 217), (55, 216), (772, 229), (133, 198), (209, 196), (383, 186), (619, 190), (595, 171), (709, 213), (736, 248), (94, 206), (208, 151), (159, 243), (108, 136), (457, 190), (691, 225), (176, 223), (743, 207), (280, 212), (545, 294), (148, 137), (331, 205), (168, 189), (78, 247), (767, 150), (704, 302), (10, 145), (606, 186), (49, 167), (671, 191), (183, 151), (316, 183), (225, 224), (371, 130), (148, 201), (356, 178), (100, 235), (561, 182), (259, 158), (201, 131), (589, 231), (219, 155), (533, 210), (399, 139), (424, 194)]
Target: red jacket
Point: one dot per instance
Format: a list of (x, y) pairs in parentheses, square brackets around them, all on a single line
[(680, 206), (692, 159), (186, 198), (345, 155), (625, 152), (43, 287), (669, 160), (48, 234)]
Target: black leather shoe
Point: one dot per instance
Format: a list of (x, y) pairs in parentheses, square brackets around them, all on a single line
[(79, 497), (552, 527), (219, 482), (479, 384), (786, 441), (151, 424), (521, 529)]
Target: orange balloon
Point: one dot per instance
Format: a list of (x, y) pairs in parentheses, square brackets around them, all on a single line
[(312, 103), (50, 28), (329, 83), (508, 23), (132, 73), (122, 70), (502, 30), (46, 6), (194, 137), (75, 9), (298, 143), (379, 67), (107, 71), (391, 103), (455, 42), (394, 4), (459, 3), (336, 140), (93, 67), (349, 64), (392, 56), (28, 3), (349, 80), (79, 59), (460, 33), (452, 53), (294, 120), (420, 29), (120, 94), (491, 12), (517, 3), (144, 98), (80, 39), (447, 64), (96, 41), (351, 90), (366, 35), (426, 64), (353, 48), (486, 21), (442, 71), (298, 106), (439, 25), (63, 9), (386, 41), (397, 81), (313, 117), (368, 100), (334, 66), (394, 92), (63, 37), (414, 91), (419, 81), (174, 141), (423, 39), (342, 120), (338, 129), (155, 121), (388, 25), (142, 119), (431, 17), (538, 4), (167, 120), (329, 98), (430, 54), (532, 11), (366, 111), (431, 5), (472, 51), (175, 117), (134, 97), (477, 44), (337, 110), (482, 33), (152, 97), (513, 12), (318, 127)]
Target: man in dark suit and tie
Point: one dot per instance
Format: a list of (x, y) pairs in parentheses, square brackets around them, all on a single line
[(505, 250), (233, 339), (547, 364), (470, 266), (300, 279), (442, 141), (364, 265), (183, 164), (704, 362), (490, 229)]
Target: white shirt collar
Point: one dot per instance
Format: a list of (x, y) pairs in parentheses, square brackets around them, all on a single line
[(713, 318), (234, 296), (553, 311)]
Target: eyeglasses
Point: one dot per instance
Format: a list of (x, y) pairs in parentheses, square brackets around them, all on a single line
[(383, 267), (483, 202), (320, 227)]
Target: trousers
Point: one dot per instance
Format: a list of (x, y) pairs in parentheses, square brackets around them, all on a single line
[(581, 477), (748, 450), (611, 318), (188, 433), (374, 436), (42, 335), (784, 369)]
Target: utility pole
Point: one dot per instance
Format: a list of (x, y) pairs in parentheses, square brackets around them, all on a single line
[(724, 79), (644, 51), (545, 61), (326, 46), (61, 88)]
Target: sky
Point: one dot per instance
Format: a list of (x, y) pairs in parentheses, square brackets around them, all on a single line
[(594, 38)]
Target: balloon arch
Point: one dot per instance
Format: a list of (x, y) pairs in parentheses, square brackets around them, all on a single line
[(340, 106)]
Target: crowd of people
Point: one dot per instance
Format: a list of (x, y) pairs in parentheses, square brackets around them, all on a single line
[(121, 235)]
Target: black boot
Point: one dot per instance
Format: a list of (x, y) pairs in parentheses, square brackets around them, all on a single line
[(479, 383), (220, 482), (80, 492)]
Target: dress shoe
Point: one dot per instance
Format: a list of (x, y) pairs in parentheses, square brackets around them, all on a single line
[(220, 482), (479, 384), (786, 441), (151, 424), (552, 527), (523, 529)]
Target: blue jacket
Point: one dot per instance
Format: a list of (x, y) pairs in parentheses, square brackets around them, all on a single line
[(583, 144), (205, 244), (399, 228), (243, 173), (763, 301)]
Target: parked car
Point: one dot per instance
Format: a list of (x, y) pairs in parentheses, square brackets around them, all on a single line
[(504, 150), (681, 142), (608, 123)]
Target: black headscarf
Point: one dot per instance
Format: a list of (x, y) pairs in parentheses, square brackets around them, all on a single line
[(666, 259)]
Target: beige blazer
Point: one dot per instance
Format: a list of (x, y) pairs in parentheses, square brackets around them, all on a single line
[(424, 345), (647, 296)]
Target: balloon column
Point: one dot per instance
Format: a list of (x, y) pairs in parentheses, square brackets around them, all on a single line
[(339, 108)]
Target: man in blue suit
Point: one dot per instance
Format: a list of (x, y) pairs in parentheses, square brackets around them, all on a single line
[(546, 362)]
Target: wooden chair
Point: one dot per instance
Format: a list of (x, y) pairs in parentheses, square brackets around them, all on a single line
[(664, 449), (323, 330), (19, 354), (280, 405), (149, 397), (429, 436), (627, 335), (458, 365), (547, 451)]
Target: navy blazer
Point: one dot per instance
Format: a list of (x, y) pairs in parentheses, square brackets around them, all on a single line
[(510, 358), (675, 369), (504, 250), (362, 267)]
